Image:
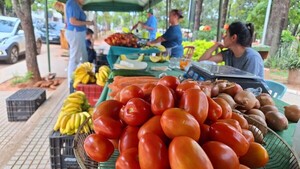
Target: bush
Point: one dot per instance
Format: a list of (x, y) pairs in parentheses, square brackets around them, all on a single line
[(200, 47)]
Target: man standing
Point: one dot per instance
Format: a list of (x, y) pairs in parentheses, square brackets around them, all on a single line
[(150, 25)]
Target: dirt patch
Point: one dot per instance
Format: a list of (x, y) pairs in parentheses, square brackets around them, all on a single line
[(9, 86)]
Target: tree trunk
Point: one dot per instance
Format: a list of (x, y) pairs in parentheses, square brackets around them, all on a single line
[(2, 7), (23, 11), (198, 11), (278, 17), (224, 12)]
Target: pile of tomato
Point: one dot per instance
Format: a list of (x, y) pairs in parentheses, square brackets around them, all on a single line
[(172, 125)]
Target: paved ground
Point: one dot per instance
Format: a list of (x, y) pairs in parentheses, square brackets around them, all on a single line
[(26, 144)]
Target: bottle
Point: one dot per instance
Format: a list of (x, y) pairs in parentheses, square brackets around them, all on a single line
[(296, 140)]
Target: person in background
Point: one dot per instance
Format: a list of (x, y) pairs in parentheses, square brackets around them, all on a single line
[(238, 40), (150, 25), (172, 38), (90, 45), (75, 34)]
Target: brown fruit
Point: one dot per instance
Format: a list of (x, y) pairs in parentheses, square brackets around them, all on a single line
[(292, 113), (265, 99), (256, 112), (276, 121), (245, 99)]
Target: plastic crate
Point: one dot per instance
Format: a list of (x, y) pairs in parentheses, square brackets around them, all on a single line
[(22, 104), (61, 151), (92, 92)]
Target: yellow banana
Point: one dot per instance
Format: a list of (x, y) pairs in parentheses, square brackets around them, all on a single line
[(100, 83), (86, 114), (71, 105), (105, 68), (104, 74), (86, 129), (75, 95), (91, 111), (80, 70), (72, 121), (68, 126), (85, 79), (81, 93), (64, 122), (57, 124), (76, 82), (75, 100), (77, 120), (72, 109), (83, 118), (93, 79)]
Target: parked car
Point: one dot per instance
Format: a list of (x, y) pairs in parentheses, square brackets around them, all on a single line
[(12, 39), (54, 32)]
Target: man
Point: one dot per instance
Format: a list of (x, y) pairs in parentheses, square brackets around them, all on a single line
[(90, 45), (150, 25)]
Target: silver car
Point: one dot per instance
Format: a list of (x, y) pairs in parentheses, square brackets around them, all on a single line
[(12, 39)]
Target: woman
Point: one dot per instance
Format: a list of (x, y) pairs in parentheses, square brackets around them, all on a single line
[(172, 38), (75, 34), (238, 40)]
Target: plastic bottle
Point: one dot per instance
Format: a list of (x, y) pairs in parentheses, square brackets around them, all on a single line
[(296, 139)]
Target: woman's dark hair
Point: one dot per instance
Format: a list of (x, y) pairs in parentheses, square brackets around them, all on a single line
[(243, 31), (89, 31), (177, 12)]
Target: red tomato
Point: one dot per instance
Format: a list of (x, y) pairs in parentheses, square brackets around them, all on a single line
[(98, 148), (153, 152), (195, 102), (109, 108), (130, 92), (243, 122), (153, 126), (214, 110), (248, 135), (169, 81), (204, 134), (115, 142), (147, 89), (234, 123), (243, 167), (177, 122), (228, 135), (221, 155), (226, 109), (182, 87), (129, 138), (161, 99), (128, 159), (136, 112), (256, 157), (108, 127), (185, 152)]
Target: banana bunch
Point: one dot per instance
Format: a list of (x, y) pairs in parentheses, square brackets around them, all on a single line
[(84, 74), (102, 75), (74, 112)]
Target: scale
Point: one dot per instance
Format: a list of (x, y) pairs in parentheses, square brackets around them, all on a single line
[(204, 71)]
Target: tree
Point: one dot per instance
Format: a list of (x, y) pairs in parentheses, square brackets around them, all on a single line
[(23, 11), (224, 12), (198, 11)]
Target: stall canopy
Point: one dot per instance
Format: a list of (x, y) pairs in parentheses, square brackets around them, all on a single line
[(117, 5)]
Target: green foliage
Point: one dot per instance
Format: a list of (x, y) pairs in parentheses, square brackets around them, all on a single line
[(257, 17), (22, 79), (206, 35), (287, 37), (200, 47), (294, 12)]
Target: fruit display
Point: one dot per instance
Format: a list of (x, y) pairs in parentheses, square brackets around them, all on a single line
[(84, 74), (102, 75), (171, 124), (73, 113), (139, 59), (122, 39), (160, 58)]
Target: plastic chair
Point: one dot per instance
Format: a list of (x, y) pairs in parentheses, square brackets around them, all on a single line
[(276, 89), (189, 51)]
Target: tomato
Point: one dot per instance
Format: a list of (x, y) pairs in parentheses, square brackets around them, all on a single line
[(147, 89), (109, 108), (232, 122), (226, 109), (98, 148), (136, 112), (129, 138), (182, 87), (128, 159), (248, 135), (214, 110), (230, 136), (256, 156), (153, 152), (161, 99), (130, 92), (108, 127), (243, 122), (153, 126), (204, 134), (185, 152), (115, 142), (195, 102), (221, 155), (178, 122), (243, 167), (169, 81)]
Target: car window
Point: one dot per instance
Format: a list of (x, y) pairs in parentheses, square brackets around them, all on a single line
[(6, 26)]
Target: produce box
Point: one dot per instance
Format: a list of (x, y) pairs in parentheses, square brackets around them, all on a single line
[(61, 151), (92, 92), (22, 104)]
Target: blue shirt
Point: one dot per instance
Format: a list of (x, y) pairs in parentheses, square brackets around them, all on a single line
[(73, 10), (173, 37), (251, 61), (151, 22)]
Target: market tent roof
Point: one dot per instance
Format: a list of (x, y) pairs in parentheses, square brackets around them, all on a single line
[(117, 5)]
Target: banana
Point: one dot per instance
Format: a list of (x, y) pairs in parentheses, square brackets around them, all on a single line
[(104, 74), (85, 79), (91, 111), (93, 79), (86, 114), (72, 109), (75, 95), (75, 100), (57, 124), (105, 68), (82, 119), (72, 121), (68, 126), (81, 93), (86, 129), (68, 105), (77, 120), (64, 122), (100, 83)]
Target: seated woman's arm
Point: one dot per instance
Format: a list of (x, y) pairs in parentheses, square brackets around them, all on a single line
[(208, 54)]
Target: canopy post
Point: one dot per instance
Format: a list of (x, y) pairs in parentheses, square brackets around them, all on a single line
[(219, 22), (266, 22), (47, 35)]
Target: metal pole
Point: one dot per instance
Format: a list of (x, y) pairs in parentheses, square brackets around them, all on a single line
[(189, 14), (266, 22), (219, 21), (167, 14), (47, 35)]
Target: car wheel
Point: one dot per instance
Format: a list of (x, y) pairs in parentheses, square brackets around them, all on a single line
[(38, 46), (13, 55)]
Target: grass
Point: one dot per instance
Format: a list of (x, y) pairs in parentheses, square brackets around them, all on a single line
[(22, 79), (280, 73)]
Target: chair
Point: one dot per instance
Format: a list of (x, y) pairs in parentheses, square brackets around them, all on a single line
[(276, 89), (189, 51)]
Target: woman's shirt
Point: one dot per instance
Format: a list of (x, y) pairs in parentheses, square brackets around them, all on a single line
[(173, 37), (73, 10), (251, 61)]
